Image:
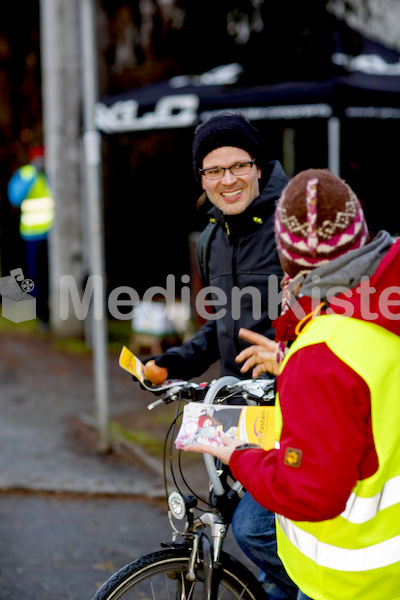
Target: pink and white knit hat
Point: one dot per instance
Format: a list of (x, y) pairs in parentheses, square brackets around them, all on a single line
[(317, 218)]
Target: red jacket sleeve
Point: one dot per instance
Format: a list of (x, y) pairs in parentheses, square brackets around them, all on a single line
[(327, 422)]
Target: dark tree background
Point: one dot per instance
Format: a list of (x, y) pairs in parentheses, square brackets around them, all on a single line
[(142, 42), (149, 188), (148, 177), (20, 110)]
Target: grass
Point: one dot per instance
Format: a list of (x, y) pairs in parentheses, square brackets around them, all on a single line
[(27, 327), (151, 444), (118, 335)]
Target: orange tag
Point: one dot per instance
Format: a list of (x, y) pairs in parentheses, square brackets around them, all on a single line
[(292, 457)]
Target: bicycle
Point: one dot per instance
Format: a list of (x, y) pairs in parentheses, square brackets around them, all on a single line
[(193, 565)]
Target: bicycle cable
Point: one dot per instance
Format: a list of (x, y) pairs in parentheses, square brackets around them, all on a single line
[(167, 438), (188, 486), (170, 438)]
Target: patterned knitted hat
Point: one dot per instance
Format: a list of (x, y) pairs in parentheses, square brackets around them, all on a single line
[(318, 217), (226, 129)]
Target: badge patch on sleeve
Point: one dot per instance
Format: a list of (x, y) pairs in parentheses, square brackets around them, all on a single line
[(292, 457)]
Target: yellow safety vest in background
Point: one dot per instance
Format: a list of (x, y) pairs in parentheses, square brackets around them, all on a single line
[(355, 556), (37, 210)]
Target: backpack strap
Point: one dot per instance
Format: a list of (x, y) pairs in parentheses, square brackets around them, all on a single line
[(203, 248)]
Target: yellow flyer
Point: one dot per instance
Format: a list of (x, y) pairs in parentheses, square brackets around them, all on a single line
[(131, 363), (257, 426)]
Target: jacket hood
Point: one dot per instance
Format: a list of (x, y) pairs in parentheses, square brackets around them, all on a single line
[(363, 283), (277, 180)]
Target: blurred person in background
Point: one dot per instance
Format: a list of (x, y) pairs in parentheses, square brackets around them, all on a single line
[(29, 191)]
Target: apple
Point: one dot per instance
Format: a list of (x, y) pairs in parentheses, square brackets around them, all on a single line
[(156, 375)]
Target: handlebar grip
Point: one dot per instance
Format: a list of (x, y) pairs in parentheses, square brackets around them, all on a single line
[(154, 404)]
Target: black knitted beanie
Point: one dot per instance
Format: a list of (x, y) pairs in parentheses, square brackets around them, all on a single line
[(227, 129)]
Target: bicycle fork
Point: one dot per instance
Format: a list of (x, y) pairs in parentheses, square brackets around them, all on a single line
[(211, 552)]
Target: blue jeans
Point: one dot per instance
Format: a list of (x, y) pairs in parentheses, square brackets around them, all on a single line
[(255, 532), (37, 264), (302, 596)]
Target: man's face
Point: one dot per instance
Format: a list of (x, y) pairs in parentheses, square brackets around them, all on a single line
[(232, 194)]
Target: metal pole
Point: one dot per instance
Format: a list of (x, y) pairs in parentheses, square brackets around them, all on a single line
[(62, 108), (334, 145), (91, 142)]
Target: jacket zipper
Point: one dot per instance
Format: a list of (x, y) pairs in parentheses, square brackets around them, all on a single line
[(235, 283)]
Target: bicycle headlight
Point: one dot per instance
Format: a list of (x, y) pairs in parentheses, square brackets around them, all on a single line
[(177, 506)]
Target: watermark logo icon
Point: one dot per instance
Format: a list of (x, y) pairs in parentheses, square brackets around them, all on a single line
[(17, 303)]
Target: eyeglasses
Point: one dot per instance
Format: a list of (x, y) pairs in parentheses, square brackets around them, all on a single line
[(238, 169)]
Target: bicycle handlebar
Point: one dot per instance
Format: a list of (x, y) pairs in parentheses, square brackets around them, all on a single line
[(251, 390)]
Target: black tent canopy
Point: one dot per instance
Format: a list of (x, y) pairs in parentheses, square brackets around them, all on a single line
[(185, 101), (164, 105)]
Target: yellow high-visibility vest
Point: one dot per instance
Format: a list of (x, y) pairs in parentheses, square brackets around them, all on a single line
[(355, 556), (37, 210)]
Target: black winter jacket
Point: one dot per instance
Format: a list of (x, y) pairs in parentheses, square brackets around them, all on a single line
[(242, 253)]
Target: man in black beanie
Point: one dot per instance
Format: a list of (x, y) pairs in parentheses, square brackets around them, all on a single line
[(231, 130), (239, 253), (242, 188)]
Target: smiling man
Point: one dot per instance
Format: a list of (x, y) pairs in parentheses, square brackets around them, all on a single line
[(231, 189), (243, 189), (239, 254)]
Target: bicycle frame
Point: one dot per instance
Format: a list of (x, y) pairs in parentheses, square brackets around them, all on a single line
[(180, 506), (195, 556)]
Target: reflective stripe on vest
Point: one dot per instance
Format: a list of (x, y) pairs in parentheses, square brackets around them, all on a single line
[(357, 554), (361, 510), (326, 555)]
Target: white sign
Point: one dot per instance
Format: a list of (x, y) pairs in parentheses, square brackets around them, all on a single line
[(179, 110)]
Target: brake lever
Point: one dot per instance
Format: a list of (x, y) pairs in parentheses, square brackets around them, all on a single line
[(256, 389)]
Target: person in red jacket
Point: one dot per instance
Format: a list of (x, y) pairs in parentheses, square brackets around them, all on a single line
[(331, 436)]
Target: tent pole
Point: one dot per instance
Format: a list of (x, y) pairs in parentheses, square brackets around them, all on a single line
[(289, 154), (334, 145)]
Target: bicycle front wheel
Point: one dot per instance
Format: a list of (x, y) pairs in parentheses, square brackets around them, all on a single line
[(162, 576)]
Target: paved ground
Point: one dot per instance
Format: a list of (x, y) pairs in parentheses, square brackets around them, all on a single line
[(69, 514), (48, 435)]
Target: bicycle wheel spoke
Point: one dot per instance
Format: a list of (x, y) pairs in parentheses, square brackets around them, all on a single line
[(162, 576), (152, 589), (186, 588), (166, 586), (243, 592)]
